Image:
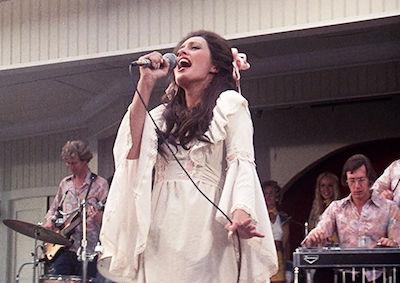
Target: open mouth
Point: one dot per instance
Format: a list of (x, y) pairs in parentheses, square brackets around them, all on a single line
[(184, 63)]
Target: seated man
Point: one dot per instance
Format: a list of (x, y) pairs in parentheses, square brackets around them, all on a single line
[(360, 220)]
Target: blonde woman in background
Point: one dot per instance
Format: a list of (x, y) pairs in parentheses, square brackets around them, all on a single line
[(326, 191)]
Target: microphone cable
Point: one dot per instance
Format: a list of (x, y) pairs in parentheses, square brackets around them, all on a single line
[(188, 175)]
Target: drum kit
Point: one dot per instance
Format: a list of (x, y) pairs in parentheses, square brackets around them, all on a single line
[(40, 233)]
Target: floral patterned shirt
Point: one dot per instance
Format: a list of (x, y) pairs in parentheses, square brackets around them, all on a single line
[(378, 218), (69, 198)]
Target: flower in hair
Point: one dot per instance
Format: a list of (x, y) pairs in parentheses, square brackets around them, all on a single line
[(239, 64)]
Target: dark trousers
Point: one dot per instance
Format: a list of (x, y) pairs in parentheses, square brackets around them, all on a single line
[(66, 263)]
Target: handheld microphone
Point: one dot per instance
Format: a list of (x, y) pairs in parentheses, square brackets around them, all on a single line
[(170, 57)]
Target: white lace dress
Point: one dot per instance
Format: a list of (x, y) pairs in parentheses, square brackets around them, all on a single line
[(172, 233)]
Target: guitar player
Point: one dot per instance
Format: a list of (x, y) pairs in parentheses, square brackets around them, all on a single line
[(64, 215)]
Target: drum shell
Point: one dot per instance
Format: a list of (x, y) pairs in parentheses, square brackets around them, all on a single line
[(62, 279)]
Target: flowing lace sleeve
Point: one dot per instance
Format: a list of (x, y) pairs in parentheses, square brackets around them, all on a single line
[(126, 218), (242, 189)]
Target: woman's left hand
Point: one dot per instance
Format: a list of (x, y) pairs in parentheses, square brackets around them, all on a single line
[(242, 223)]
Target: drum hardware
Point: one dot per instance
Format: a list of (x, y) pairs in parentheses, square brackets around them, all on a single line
[(38, 233), (62, 279), (34, 262)]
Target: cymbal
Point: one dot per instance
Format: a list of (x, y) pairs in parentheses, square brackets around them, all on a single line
[(36, 231)]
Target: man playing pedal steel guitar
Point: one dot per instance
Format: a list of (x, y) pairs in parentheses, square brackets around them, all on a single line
[(64, 214), (360, 219)]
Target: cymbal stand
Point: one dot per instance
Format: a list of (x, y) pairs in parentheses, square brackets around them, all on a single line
[(35, 261), (20, 269)]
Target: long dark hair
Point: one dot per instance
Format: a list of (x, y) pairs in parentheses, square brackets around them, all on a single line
[(184, 125)]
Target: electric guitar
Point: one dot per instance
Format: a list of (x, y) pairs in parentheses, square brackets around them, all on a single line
[(75, 219)]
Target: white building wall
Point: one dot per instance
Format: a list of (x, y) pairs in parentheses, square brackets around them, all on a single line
[(36, 32), (34, 162), (293, 138)]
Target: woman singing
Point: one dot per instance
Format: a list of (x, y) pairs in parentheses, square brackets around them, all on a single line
[(157, 226)]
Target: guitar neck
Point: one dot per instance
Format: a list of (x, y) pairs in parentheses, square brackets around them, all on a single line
[(71, 223), (75, 219)]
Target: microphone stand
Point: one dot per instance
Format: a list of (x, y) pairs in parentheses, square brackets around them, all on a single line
[(82, 252)]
